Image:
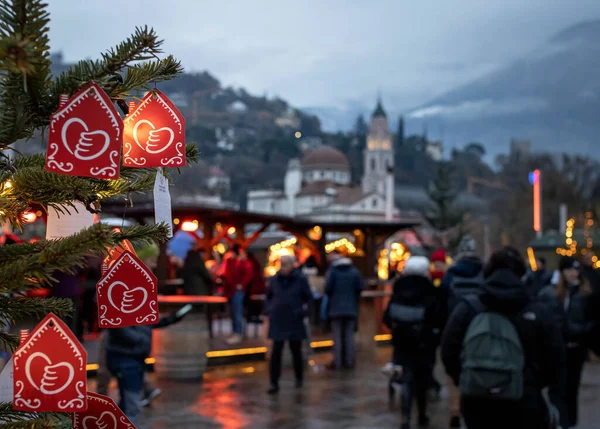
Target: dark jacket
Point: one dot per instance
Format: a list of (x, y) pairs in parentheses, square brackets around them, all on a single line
[(467, 269), (541, 338), (133, 341), (286, 299), (592, 275), (537, 280), (417, 291), (196, 278), (572, 320), (343, 285)]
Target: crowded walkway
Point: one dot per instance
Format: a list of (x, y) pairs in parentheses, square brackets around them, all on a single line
[(234, 397)]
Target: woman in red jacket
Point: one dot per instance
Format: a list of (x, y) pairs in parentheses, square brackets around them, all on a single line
[(238, 275)]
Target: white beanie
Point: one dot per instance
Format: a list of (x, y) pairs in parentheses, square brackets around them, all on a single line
[(416, 266)]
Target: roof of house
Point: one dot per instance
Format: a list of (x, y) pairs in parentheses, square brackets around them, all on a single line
[(318, 188), (348, 196), (325, 156)]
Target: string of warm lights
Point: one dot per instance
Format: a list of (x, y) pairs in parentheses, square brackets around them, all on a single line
[(342, 242)]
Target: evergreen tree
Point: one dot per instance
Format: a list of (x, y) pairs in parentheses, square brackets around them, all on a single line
[(400, 133), (28, 97), (444, 216), (360, 127)]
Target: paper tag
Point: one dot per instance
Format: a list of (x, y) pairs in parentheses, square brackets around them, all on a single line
[(6, 382), (61, 225), (162, 202)]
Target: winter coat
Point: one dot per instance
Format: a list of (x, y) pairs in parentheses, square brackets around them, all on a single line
[(196, 278), (133, 341), (236, 271), (593, 276), (343, 285), (572, 315), (468, 268), (287, 296), (537, 280), (418, 291), (542, 341)]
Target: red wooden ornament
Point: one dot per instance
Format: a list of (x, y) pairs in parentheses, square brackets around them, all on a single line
[(113, 255), (85, 136), (102, 413), (154, 133), (127, 294), (49, 369)]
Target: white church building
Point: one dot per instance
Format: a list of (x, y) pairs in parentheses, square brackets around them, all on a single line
[(318, 187)]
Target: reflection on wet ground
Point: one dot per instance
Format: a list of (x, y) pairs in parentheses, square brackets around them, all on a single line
[(234, 398)]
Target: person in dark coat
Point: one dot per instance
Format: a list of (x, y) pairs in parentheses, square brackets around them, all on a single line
[(288, 295), (126, 350), (463, 278), (413, 289), (569, 301), (540, 278), (343, 285), (196, 278), (541, 339), (590, 272)]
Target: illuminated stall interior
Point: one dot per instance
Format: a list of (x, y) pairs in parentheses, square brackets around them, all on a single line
[(392, 259)]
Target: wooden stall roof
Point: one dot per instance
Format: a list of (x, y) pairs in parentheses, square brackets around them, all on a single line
[(227, 216)]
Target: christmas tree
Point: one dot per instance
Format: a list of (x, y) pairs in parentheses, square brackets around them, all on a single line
[(29, 95), (444, 216)]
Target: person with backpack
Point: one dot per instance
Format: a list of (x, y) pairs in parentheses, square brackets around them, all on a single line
[(343, 285), (463, 278), (415, 312), (569, 300), (502, 348)]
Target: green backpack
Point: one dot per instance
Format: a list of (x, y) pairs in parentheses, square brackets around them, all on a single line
[(493, 359)]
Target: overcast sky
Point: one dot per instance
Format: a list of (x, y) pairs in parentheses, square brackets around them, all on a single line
[(326, 52)]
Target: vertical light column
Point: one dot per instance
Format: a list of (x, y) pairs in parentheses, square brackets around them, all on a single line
[(535, 180)]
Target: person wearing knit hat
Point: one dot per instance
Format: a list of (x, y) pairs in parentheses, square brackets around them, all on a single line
[(463, 278), (415, 313), (439, 266)]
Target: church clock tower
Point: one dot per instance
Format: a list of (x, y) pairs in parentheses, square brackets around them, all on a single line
[(379, 155)]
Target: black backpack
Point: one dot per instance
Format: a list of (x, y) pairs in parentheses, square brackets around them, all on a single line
[(407, 323)]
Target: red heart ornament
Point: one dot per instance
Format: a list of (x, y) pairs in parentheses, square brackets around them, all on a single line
[(49, 369), (127, 295), (85, 136), (102, 413), (154, 133)]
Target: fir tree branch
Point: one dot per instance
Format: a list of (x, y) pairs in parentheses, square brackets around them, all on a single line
[(9, 341), (12, 419), (18, 309), (35, 268), (24, 59), (143, 234), (143, 45), (139, 75)]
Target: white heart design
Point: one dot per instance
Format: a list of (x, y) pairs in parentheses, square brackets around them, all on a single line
[(84, 148), (153, 137), (100, 424), (127, 297), (49, 378)]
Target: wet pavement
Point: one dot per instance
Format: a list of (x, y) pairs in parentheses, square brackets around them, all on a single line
[(234, 397)]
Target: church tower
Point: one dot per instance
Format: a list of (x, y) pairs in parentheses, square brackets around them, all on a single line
[(379, 155)]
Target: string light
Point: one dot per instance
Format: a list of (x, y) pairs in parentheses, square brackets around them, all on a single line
[(342, 242)]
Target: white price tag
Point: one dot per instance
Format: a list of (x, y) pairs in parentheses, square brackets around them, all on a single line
[(65, 224), (6, 382), (162, 202)]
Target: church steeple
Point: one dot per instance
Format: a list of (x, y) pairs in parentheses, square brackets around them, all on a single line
[(379, 112)]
